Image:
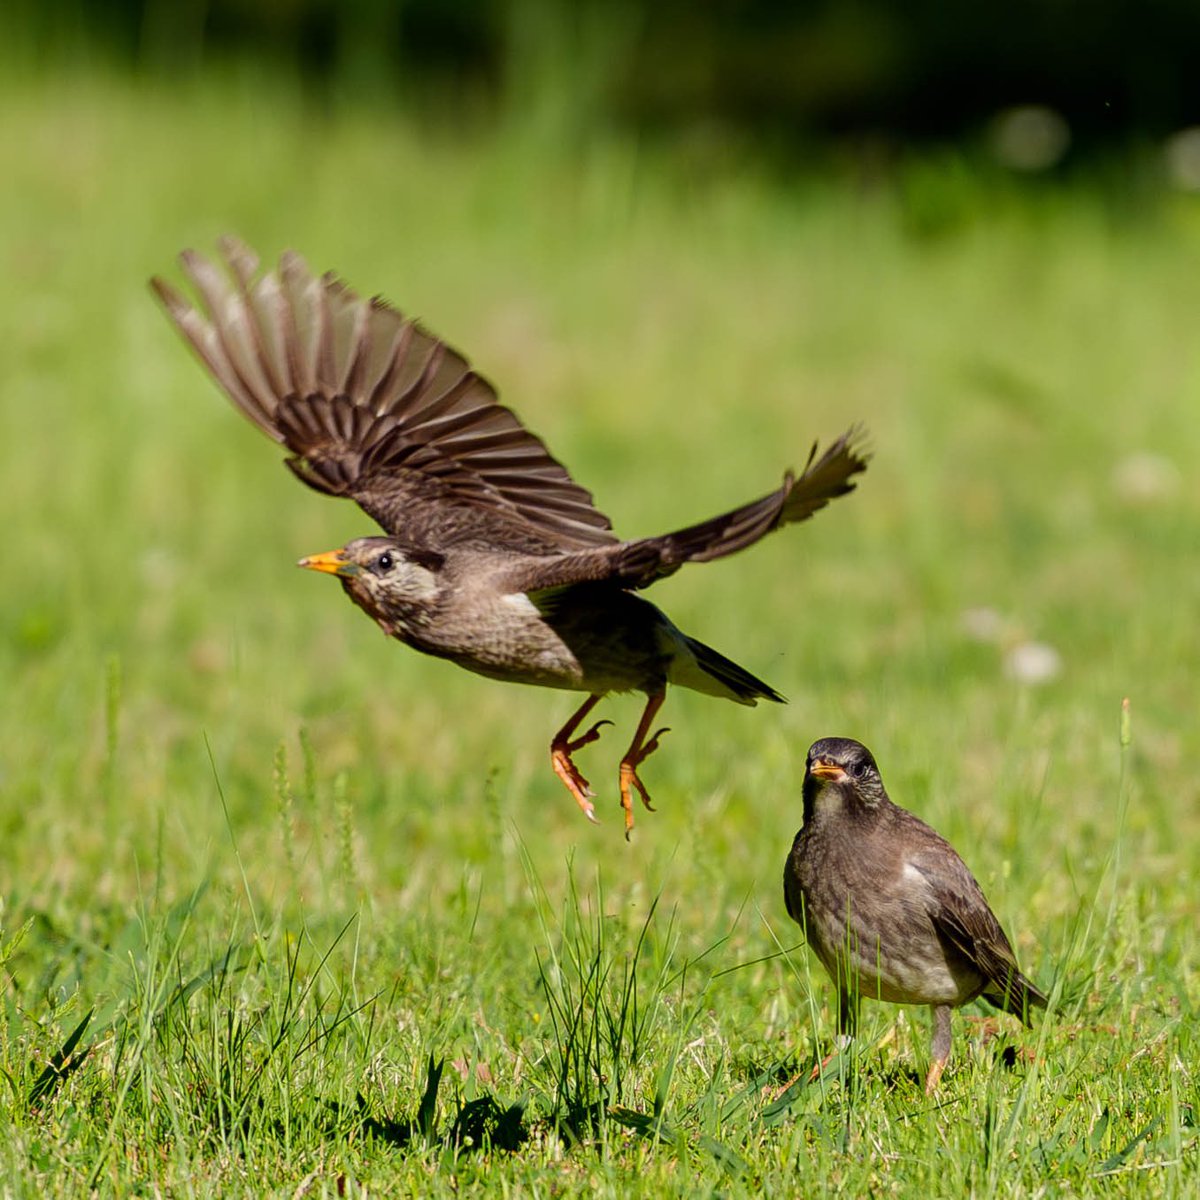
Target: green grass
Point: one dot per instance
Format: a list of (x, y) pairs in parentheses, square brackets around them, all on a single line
[(284, 909)]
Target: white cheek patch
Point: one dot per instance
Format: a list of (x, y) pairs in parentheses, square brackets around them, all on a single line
[(430, 584), (419, 584)]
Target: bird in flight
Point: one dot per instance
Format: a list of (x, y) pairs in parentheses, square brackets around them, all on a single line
[(492, 556)]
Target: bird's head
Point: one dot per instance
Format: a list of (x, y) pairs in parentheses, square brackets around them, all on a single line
[(387, 579), (840, 776)]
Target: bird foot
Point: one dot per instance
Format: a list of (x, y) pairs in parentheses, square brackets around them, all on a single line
[(819, 1069), (935, 1074), (572, 777), (564, 767), (781, 1090), (630, 781)]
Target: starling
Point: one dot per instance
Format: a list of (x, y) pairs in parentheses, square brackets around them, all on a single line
[(887, 905), (494, 558)]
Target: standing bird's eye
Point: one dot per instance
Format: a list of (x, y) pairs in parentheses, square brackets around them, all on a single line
[(858, 769), (386, 561)]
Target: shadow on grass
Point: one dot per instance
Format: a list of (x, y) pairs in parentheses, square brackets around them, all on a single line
[(480, 1124)]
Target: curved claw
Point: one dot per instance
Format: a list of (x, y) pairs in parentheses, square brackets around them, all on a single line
[(630, 780), (645, 795), (588, 738), (561, 748), (652, 745), (639, 750), (629, 783), (575, 783)]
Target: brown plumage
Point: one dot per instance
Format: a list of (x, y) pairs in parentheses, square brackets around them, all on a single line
[(494, 557), (887, 905)]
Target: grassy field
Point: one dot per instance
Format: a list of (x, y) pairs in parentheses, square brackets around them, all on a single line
[(288, 910)]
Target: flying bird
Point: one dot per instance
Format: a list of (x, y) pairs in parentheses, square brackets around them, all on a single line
[(492, 556), (887, 905)]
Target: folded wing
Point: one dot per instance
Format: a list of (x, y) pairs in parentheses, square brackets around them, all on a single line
[(962, 917)]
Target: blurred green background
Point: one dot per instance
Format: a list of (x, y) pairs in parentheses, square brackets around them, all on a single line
[(684, 241)]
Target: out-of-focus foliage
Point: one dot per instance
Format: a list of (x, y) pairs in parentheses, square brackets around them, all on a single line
[(895, 68)]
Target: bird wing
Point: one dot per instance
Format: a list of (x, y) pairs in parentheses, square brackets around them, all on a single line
[(962, 917), (375, 408), (637, 564)]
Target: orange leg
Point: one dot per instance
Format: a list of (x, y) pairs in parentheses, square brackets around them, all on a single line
[(847, 1026), (819, 1069), (780, 1089), (639, 750), (939, 1054), (562, 747)]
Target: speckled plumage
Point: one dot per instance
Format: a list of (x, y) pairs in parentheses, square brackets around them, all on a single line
[(494, 558), (888, 906)]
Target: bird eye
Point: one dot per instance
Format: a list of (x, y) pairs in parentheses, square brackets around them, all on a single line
[(385, 562), (858, 769)]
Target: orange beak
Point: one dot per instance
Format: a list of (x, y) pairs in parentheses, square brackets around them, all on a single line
[(824, 769), (332, 562)]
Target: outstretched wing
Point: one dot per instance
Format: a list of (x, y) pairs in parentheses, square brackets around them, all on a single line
[(638, 564), (375, 408)]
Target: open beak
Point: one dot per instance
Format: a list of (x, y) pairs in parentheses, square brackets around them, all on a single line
[(824, 769), (332, 562)]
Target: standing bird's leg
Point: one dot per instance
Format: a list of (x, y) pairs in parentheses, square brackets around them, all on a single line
[(939, 1053), (639, 750), (561, 749), (847, 1015), (847, 1027)]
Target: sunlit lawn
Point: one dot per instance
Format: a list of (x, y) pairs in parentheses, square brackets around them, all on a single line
[(288, 869)]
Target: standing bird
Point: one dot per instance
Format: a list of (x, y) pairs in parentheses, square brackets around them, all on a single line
[(887, 905), (494, 558)]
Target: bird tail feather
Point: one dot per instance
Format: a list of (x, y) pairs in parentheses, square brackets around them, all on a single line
[(1019, 996), (720, 676)]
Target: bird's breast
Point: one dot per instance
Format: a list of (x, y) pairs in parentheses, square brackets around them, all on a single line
[(577, 645)]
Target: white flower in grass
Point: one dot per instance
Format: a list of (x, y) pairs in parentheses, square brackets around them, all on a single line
[(1144, 478), (1033, 663)]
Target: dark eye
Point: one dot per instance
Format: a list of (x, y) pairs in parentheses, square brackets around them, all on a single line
[(858, 769), (385, 562)]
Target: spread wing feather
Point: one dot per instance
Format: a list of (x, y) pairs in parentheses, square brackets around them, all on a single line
[(637, 564), (375, 408)]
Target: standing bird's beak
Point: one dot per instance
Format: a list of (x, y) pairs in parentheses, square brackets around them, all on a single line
[(824, 769), (332, 562)]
